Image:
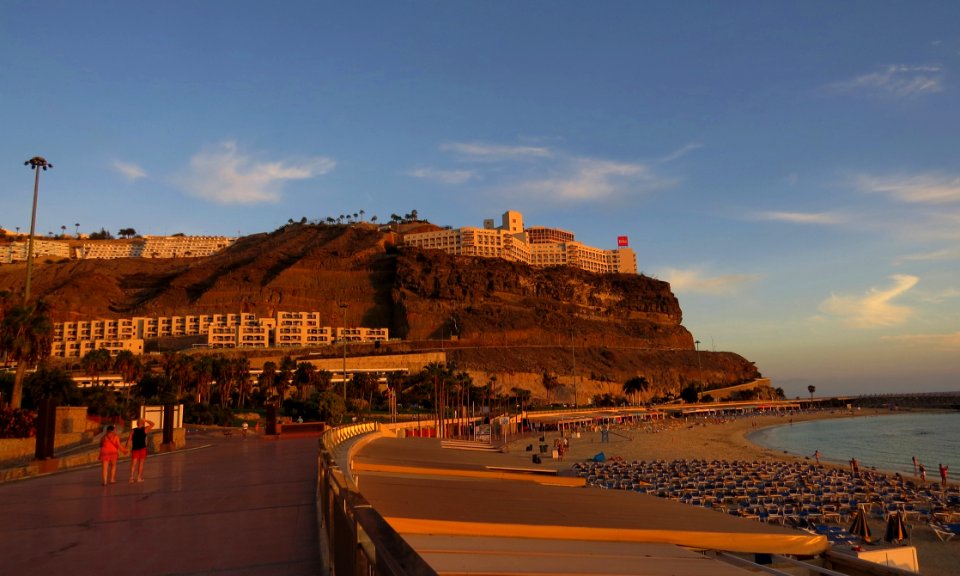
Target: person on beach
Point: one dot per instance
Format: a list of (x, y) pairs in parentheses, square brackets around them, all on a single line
[(137, 442), (923, 472), (943, 475), (110, 450), (855, 467), (914, 465), (816, 456)]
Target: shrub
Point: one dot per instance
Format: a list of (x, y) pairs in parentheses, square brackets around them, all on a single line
[(17, 423)]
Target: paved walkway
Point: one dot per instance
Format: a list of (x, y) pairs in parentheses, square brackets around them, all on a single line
[(223, 505)]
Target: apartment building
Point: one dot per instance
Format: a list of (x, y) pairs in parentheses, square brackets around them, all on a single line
[(17, 251), (146, 247), (537, 246), (242, 330)]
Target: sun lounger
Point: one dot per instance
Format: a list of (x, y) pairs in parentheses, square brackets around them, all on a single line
[(945, 532)]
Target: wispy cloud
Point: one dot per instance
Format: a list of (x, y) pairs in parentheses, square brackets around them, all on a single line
[(916, 189), (591, 179), (875, 309), (801, 217), (941, 342), (680, 153), (896, 81), (225, 175), (128, 170), (695, 281), (480, 152), (935, 256), (443, 176)]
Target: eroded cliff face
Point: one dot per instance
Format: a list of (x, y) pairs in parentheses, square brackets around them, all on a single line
[(495, 301), (499, 316)]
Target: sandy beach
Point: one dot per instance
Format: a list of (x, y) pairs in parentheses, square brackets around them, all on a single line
[(713, 439)]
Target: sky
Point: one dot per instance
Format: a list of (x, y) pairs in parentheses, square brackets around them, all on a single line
[(791, 168)]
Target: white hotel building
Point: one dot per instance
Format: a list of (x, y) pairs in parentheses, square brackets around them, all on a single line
[(536, 246)]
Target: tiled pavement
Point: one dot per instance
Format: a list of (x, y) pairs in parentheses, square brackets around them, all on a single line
[(223, 505)]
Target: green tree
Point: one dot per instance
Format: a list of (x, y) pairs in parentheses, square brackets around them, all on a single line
[(267, 381), (811, 389), (689, 394), (636, 385), (128, 366), (95, 363), (26, 335), (50, 383)]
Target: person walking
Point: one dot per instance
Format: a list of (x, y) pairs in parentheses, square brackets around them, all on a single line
[(110, 450), (137, 442), (943, 475), (914, 465), (816, 456), (923, 472)]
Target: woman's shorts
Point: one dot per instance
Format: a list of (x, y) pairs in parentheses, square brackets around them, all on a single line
[(138, 454), (109, 457)]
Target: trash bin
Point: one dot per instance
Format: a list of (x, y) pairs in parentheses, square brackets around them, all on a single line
[(529, 447), (543, 448), (536, 458)]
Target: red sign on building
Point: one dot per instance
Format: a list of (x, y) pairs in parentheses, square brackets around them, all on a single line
[(622, 241)]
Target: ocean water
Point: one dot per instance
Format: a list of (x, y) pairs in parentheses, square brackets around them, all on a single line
[(886, 442)]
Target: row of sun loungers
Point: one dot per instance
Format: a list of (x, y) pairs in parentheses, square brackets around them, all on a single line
[(799, 494)]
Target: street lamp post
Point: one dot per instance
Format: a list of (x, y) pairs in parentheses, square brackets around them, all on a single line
[(343, 341), (573, 353), (696, 344), (36, 164)]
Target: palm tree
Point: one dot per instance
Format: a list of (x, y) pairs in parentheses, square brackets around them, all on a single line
[(26, 334), (128, 366), (95, 363), (438, 373), (76, 227), (811, 389), (63, 230), (636, 385), (268, 380)]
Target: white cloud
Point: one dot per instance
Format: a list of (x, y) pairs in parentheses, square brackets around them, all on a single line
[(443, 176), (680, 153), (897, 81), (590, 179), (802, 217), (937, 255), (915, 189), (929, 341), (224, 175), (875, 309), (694, 281), (492, 153), (129, 171)]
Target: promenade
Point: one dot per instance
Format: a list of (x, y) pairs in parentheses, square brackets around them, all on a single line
[(223, 505)]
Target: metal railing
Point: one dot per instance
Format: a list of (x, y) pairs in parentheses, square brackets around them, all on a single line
[(356, 538)]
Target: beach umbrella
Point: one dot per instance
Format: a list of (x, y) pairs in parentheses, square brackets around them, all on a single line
[(859, 526), (896, 528)]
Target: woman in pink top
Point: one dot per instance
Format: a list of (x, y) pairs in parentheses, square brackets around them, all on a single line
[(110, 449)]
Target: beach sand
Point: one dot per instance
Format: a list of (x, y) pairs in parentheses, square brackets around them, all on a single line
[(675, 440)]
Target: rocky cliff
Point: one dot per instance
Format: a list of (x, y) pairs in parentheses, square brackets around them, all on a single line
[(494, 316)]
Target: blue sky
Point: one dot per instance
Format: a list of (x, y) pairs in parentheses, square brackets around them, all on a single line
[(793, 169)]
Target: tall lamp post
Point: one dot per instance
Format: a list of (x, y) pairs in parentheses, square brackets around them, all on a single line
[(573, 353), (343, 342), (36, 164), (696, 344)]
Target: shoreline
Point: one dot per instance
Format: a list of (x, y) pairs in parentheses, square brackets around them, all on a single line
[(727, 439)]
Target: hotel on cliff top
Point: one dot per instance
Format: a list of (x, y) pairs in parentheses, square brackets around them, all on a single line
[(537, 246)]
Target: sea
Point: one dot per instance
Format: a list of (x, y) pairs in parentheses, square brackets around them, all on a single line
[(885, 442)]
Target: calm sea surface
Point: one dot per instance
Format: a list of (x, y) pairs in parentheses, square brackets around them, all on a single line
[(885, 442)]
